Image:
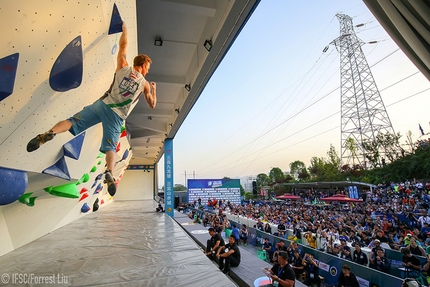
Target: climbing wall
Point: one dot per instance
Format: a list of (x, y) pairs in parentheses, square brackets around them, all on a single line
[(55, 58)]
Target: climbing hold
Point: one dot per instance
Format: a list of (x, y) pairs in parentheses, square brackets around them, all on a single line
[(66, 73), (115, 21), (8, 67), (73, 147), (13, 184), (59, 169), (96, 205), (85, 208), (68, 190), (85, 195)]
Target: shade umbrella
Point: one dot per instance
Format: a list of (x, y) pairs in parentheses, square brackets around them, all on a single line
[(288, 196)]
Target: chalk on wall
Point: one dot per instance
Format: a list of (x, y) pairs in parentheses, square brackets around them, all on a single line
[(59, 169), (8, 67), (66, 73), (115, 21), (13, 184), (73, 147)]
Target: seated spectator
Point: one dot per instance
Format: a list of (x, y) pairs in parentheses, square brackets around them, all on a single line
[(243, 234), (294, 246), (372, 255), (414, 248), (347, 278), (382, 263), (345, 253), (267, 246), (333, 249), (279, 247), (214, 243), (411, 263), (312, 271), (282, 229), (281, 273), (159, 208), (268, 228), (228, 255), (259, 225), (359, 256)]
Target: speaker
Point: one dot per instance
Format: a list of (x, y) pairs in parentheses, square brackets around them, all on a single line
[(254, 187), (176, 202)]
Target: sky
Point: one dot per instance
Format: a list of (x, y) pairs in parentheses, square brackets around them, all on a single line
[(275, 97)]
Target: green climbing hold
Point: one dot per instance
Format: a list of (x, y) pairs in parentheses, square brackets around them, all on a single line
[(27, 199), (101, 155), (84, 178), (94, 169), (99, 163), (122, 128), (68, 190)]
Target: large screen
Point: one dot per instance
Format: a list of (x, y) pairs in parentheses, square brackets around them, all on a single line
[(225, 189)]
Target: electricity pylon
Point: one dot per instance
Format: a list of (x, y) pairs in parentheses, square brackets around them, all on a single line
[(363, 114)]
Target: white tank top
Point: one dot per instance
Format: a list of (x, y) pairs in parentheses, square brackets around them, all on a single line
[(124, 91)]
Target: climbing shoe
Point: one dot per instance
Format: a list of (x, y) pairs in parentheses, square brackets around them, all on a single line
[(110, 181), (39, 140)]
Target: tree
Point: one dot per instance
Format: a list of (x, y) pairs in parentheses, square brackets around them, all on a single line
[(179, 187), (262, 180), (276, 175), (296, 167), (386, 144)]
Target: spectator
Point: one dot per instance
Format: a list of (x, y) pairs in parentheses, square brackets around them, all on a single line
[(372, 255), (214, 243), (311, 238), (243, 234), (297, 263), (281, 272), (235, 233), (228, 255), (414, 248), (312, 270), (382, 263), (279, 247), (282, 229), (159, 208), (267, 246), (347, 278), (359, 256), (411, 263), (346, 253), (267, 228)]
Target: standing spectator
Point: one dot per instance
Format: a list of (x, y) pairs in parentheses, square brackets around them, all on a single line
[(359, 256), (281, 272), (243, 234), (297, 263), (414, 248), (347, 278), (311, 238), (228, 255), (235, 233)]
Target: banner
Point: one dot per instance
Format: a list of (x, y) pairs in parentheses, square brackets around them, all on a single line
[(169, 195)]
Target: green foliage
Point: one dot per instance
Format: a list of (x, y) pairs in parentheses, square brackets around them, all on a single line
[(179, 187), (276, 175), (296, 168)]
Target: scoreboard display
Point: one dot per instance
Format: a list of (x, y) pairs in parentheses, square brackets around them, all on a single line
[(225, 189)]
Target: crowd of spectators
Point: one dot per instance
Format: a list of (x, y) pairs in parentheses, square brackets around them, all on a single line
[(394, 215)]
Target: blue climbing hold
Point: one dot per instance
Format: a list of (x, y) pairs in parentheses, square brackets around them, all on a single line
[(13, 184), (8, 67), (73, 147), (66, 73), (85, 208), (59, 169), (115, 21)]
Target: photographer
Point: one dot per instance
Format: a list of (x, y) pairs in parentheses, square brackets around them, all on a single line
[(312, 270), (411, 263), (279, 247)]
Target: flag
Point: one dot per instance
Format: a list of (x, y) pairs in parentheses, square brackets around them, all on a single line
[(421, 129)]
